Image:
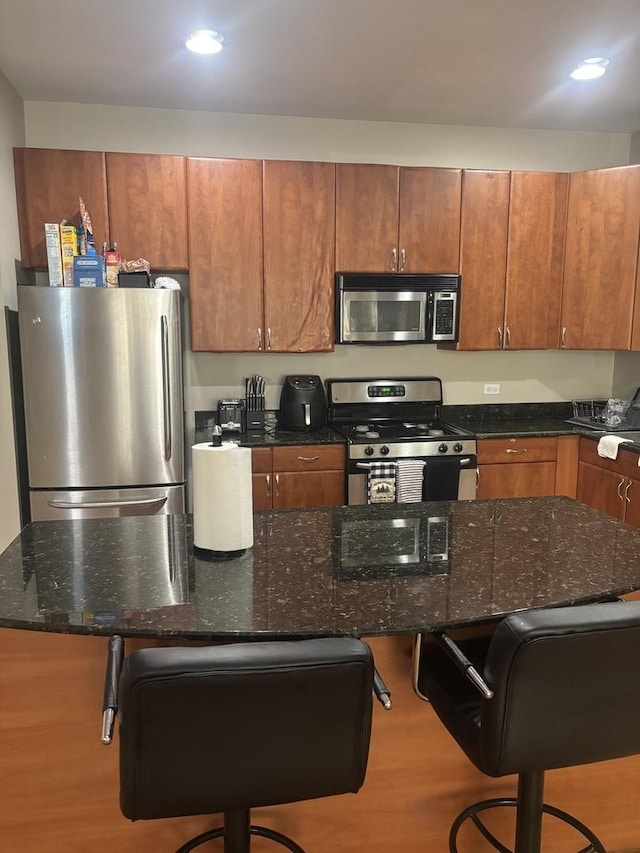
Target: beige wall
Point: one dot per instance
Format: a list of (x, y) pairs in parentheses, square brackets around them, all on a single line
[(545, 376), (634, 154), (11, 134)]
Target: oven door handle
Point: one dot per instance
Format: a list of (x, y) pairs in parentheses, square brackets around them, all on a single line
[(367, 465), (465, 460)]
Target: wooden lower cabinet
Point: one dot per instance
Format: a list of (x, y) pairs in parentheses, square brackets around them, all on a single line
[(526, 467), (294, 477), (610, 485)]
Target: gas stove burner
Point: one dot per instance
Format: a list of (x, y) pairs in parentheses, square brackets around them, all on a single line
[(363, 428)]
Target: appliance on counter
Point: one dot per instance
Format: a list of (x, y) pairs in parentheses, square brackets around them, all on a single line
[(303, 404), (377, 308), (104, 414), (388, 420), (230, 415)]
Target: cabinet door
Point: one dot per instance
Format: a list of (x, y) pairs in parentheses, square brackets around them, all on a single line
[(366, 218), (261, 489), (600, 258), (631, 494), (49, 184), (299, 249), (517, 480), (429, 222), (225, 254), (483, 252), (537, 218), (601, 489), (308, 489), (148, 208)]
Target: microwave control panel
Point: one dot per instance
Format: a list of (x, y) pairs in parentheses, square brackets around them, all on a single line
[(444, 316)]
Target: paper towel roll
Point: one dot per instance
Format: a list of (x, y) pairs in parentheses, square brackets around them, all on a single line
[(222, 498)]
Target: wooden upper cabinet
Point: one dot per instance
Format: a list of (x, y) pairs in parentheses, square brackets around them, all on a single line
[(225, 254), (299, 248), (429, 220), (483, 259), (397, 219), (366, 217), (147, 196), (49, 183), (600, 260), (537, 220)]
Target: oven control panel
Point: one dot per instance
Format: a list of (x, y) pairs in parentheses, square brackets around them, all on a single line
[(385, 391), (413, 449)]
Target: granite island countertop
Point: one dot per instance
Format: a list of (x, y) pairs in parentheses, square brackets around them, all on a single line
[(371, 570)]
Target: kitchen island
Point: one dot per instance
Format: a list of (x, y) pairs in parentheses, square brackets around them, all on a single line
[(380, 572)]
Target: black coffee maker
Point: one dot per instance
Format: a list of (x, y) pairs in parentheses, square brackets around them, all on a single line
[(303, 405)]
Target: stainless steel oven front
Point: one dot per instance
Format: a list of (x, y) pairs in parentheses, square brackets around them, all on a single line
[(445, 478)]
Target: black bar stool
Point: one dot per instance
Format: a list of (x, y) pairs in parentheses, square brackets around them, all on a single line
[(231, 727), (551, 688)]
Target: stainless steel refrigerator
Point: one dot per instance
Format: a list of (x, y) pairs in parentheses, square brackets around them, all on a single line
[(104, 414)]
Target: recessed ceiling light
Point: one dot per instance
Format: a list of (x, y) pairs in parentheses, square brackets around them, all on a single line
[(205, 41), (590, 68)]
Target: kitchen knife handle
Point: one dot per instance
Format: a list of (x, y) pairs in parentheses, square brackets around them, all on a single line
[(166, 396)]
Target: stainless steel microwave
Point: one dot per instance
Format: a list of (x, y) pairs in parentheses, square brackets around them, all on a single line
[(382, 308)]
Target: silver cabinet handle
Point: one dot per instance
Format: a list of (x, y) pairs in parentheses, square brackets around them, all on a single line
[(499, 337), (626, 492), (507, 342), (403, 259), (619, 489), (277, 481), (259, 339), (58, 504), (308, 458), (269, 337), (268, 479), (564, 331), (511, 450), (166, 382), (394, 260)]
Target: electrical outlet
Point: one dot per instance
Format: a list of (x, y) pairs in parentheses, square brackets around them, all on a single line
[(492, 388)]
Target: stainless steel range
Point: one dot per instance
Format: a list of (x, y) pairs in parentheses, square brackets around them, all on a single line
[(389, 420)]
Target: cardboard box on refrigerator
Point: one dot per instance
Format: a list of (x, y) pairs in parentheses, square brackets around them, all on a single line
[(88, 271), (54, 254), (69, 247)]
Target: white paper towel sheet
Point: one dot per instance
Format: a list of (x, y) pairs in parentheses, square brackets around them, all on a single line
[(222, 497)]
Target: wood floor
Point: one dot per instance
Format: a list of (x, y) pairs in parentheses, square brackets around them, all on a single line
[(59, 785)]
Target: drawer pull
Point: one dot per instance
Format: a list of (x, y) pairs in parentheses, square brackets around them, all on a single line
[(510, 450), (308, 458)]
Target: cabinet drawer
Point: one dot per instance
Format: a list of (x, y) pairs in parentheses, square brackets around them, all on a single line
[(626, 463), (309, 457), (496, 450), (261, 460)]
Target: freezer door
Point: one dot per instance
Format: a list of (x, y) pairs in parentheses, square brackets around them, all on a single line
[(107, 503), (102, 372)]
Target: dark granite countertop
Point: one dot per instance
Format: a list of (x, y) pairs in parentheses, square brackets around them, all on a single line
[(501, 420), (271, 437), (344, 570)]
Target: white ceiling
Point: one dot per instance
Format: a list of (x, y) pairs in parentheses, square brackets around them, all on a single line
[(500, 63)]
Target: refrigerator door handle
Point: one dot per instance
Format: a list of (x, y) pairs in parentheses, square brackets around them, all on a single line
[(57, 504), (166, 397)]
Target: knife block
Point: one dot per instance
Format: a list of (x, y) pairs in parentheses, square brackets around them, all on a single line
[(255, 421)]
